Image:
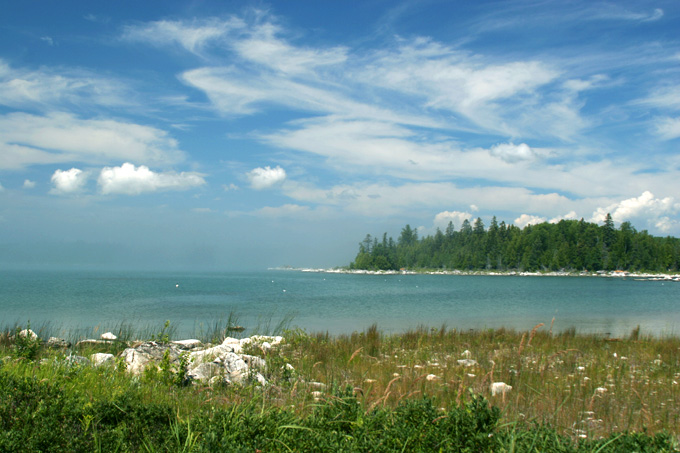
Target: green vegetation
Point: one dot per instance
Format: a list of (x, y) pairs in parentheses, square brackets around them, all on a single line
[(569, 244), (424, 390)]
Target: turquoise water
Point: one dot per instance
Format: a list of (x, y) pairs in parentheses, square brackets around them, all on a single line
[(339, 303)]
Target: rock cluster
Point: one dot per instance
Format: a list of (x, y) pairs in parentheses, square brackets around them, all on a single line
[(225, 363)]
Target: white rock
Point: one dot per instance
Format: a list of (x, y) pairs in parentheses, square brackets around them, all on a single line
[(467, 362), (500, 388), (108, 336), (205, 371), (101, 358), (432, 377), (188, 344)]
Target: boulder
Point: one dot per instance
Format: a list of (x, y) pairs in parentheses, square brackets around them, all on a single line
[(108, 336), (139, 357), (205, 372), (101, 358)]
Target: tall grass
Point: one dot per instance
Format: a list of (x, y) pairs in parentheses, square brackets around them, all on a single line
[(567, 389)]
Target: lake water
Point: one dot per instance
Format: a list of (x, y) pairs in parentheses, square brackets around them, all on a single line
[(338, 303)]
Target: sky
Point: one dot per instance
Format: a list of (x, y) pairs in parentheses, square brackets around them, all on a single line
[(245, 135)]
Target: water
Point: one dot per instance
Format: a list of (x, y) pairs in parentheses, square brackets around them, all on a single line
[(338, 303)]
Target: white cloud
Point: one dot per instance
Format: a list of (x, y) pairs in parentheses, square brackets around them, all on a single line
[(526, 219), (668, 128), (47, 88), (193, 36), (264, 47), (1, 188), (263, 178), (130, 180), (28, 184), (645, 207), (512, 153), (228, 187), (287, 210), (27, 139), (68, 181), (442, 219), (571, 215)]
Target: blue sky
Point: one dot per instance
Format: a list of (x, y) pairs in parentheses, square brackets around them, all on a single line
[(225, 135)]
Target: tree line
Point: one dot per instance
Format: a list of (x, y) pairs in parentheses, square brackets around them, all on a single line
[(572, 245)]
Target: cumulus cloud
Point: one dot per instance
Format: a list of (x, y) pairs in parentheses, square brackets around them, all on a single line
[(28, 184), (511, 153), (442, 219), (229, 187), (130, 180), (655, 211), (571, 215), (68, 181), (526, 219), (27, 139), (263, 178)]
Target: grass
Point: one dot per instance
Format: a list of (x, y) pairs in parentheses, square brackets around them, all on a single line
[(419, 390)]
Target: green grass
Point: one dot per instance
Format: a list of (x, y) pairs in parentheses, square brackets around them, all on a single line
[(361, 392)]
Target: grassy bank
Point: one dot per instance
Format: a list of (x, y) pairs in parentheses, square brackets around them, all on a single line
[(423, 390)]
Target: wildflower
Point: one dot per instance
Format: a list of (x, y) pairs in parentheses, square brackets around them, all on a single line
[(432, 377), (601, 390)]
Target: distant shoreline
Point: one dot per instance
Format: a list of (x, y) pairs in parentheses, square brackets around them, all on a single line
[(645, 276)]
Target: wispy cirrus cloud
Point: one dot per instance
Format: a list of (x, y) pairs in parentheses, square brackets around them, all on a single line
[(54, 89), (27, 139)]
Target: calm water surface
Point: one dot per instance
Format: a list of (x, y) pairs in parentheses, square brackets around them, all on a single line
[(338, 303)]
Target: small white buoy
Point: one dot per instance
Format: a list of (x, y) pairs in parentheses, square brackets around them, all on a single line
[(284, 290), (177, 285)]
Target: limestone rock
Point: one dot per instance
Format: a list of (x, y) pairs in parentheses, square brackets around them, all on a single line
[(206, 372), (139, 357), (101, 358), (108, 336)]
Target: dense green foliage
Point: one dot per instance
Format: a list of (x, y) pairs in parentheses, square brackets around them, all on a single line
[(569, 244)]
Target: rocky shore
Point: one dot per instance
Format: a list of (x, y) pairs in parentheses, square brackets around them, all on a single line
[(608, 274)]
